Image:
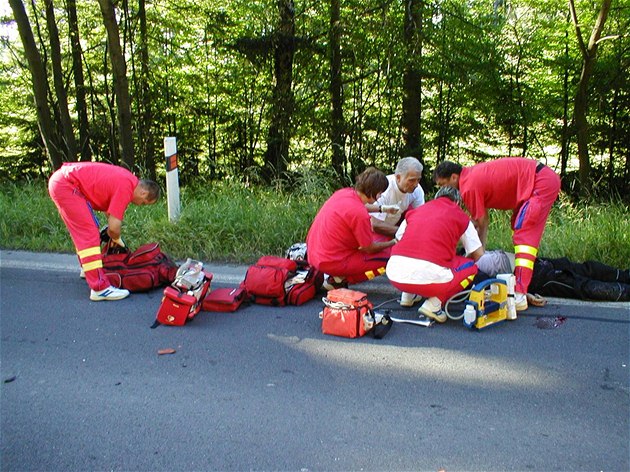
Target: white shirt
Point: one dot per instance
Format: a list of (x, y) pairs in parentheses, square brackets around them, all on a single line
[(393, 196)]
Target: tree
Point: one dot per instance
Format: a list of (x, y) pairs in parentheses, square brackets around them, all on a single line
[(121, 84), (580, 104), (282, 105), (337, 127), (40, 84), (60, 87), (79, 83)]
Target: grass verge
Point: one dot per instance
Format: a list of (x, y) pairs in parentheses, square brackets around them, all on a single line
[(233, 223)]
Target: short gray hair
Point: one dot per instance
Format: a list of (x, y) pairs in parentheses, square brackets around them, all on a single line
[(449, 192), (407, 164)]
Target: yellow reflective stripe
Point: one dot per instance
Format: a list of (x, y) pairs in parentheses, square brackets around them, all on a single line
[(370, 274), (524, 249), (466, 282), (524, 263), (92, 265), (91, 251)]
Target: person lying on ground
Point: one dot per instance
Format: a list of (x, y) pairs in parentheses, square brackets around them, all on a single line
[(563, 278)]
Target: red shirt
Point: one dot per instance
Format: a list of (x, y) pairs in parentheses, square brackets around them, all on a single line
[(433, 231), (503, 184), (107, 187), (341, 226)]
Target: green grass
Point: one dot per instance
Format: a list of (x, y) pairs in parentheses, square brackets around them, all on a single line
[(234, 223)]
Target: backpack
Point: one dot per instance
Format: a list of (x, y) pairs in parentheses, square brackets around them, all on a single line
[(278, 281), (143, 269), (349, 314), (183, 299)]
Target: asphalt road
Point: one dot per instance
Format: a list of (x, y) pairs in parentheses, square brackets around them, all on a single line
[(83, 387)]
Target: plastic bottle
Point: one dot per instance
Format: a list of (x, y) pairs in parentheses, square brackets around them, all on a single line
[(470, 315)]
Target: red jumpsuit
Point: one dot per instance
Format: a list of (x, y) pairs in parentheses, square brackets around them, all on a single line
[(522, 185), (341, 226), (432, 233), (79, 188)]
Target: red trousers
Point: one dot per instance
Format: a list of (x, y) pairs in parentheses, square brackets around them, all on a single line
[(462, 278), (82, 225), (528, 223), (358, 266)]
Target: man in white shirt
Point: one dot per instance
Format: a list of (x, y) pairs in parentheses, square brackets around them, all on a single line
[(404, 192)]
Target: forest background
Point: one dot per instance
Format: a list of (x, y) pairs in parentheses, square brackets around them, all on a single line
[(282, 94)]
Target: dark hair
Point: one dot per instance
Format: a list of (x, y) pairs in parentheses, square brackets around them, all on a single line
[(445, 169), (152, 187), (371, 182)]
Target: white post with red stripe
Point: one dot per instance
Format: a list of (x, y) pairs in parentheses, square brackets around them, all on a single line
[(172, 178)]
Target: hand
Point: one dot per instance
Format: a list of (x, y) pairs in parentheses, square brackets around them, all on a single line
[(119, 242), (393, 209)]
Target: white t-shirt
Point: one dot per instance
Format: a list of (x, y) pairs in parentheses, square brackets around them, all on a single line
[(393, 196)]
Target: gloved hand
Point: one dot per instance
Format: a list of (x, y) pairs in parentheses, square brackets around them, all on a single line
[(105, 235), (390, 209), (119, 242)]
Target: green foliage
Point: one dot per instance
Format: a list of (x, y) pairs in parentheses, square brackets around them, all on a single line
[(493, 83)]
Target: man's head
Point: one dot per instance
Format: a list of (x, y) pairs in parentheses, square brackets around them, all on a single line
[(449, 192), (408, 173), (146, 192), (371, 183), (447, 173)]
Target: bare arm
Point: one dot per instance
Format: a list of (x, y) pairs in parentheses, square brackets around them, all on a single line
[(482, 228), (114, 227), (377, 246), (381, 227)]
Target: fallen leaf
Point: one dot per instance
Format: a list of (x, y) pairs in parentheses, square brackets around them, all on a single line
[(166, 351)]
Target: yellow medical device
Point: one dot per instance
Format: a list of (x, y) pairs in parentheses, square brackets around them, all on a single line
[(487, 304)]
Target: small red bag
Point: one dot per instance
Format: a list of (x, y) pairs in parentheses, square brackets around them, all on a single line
[(345, 313), (223, 299)]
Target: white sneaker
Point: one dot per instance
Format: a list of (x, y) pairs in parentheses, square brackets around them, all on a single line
[(110, 293), (409, 299), (520, 301)]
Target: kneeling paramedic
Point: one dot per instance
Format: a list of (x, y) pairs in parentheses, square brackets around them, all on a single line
[(424, 261)]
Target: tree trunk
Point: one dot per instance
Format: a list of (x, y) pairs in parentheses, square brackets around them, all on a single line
[(121, 85), (79, 82), (146, 141), (412, 79), (580, 104), (40, 84), (278, 139), (564, 148), (337, 133), (60, 88)]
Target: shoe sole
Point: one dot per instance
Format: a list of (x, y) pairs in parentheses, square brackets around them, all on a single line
[(409, 304), (107, 299), (432, 316)]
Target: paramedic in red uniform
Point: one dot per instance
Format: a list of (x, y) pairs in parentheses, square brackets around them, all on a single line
[(341, 242), (424, 261), (526, 187), (78, 189)]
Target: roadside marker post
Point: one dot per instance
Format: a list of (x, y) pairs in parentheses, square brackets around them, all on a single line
[(172, 178)]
